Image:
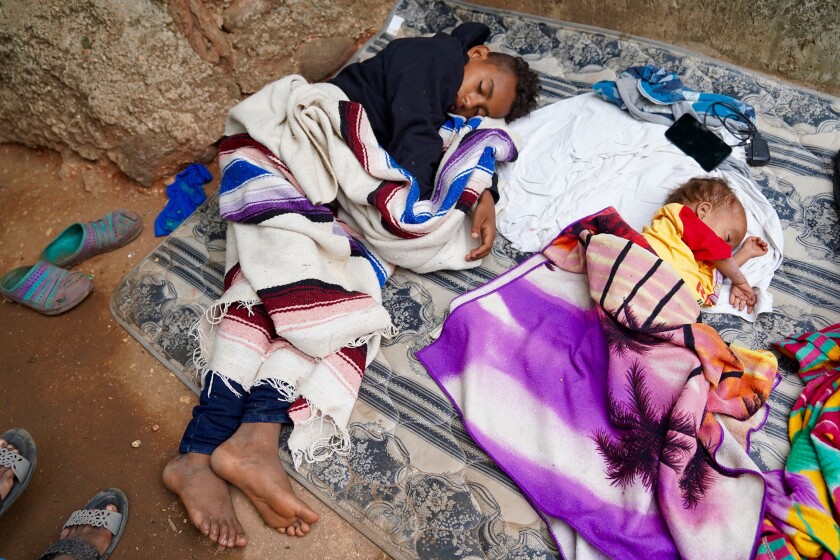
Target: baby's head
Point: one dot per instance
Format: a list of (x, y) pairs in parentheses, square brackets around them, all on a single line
[(714, 202), (495, 85)]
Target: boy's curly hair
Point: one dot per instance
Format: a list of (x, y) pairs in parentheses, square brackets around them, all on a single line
[(527, 83), (705, 189)]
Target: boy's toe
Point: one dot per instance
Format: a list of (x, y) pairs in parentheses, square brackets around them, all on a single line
[(214, 533)]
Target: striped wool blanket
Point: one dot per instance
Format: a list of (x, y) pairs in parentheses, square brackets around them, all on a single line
[(584, 374), (318, 217), (803, 499)]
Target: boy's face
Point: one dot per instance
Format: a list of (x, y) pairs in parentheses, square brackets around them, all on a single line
[(728, 222), (487, 90)]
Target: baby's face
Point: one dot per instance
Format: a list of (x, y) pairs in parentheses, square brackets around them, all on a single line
[(729, 223), (487, 90)]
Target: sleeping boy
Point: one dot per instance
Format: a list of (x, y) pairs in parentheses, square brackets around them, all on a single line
[(409, 87), (696, 232), (406, 90)]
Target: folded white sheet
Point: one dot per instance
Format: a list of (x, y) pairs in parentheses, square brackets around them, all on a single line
[(583, 154)]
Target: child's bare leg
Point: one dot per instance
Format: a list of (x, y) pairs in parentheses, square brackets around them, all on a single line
[(250, 461), (204, 494), (206, 497)]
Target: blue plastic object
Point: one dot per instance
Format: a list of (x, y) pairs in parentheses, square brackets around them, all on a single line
[(186, 193)]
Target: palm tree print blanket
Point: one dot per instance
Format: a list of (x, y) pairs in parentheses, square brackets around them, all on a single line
[(585, 374)]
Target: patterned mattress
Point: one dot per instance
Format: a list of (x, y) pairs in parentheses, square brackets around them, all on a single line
[(414, 482)]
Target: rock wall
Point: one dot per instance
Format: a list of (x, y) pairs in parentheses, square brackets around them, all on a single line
[(146, 84), (795, 40)]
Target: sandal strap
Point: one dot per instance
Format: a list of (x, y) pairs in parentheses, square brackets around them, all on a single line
[(111, 520), (18, 463), (79, 549)]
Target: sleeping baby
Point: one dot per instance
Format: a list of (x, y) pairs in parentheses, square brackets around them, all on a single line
[(696, 232)]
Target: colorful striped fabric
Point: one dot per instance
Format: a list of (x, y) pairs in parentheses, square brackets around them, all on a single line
[(302, 303), (583, 373), (801, 519)]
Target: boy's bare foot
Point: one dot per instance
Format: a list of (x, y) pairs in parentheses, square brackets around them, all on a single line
[(7, 476), (250, 461), (206, 497), (99, 537)]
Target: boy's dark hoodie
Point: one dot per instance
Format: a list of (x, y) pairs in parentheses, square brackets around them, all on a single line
[(407, 90)]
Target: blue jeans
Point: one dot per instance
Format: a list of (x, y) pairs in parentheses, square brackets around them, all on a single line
[(220, 412)]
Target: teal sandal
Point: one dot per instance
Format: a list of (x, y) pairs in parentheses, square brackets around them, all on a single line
[(22, 462), (45, 288), (83, 240), (94, 514)]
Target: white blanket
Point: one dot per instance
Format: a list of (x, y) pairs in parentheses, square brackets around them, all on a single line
[(582, 154)]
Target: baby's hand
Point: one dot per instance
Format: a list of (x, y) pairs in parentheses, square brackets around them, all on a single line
[(742, 295), (754, 247)]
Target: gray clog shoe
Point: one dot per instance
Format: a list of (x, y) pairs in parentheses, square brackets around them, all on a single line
[(45, 288), (83, 240)]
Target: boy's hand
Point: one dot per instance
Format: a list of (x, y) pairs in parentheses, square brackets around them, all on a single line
[(742, 295), (754, 247), (483, 226)]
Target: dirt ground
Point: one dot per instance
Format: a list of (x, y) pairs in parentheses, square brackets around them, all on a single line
[(86, 390)]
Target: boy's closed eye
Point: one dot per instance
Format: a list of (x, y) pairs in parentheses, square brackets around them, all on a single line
[(487, 90)]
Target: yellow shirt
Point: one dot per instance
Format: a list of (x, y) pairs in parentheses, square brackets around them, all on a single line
[(682, 240)]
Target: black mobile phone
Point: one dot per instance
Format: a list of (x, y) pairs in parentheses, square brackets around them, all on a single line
[(692, 137)]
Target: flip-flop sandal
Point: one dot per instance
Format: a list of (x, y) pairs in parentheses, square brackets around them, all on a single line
[(83, 240), (45, 288), (94, 514), (22, 463)]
